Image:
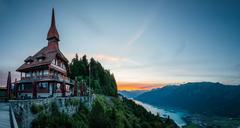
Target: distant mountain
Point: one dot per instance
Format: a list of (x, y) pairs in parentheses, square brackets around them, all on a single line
[(131, 94), (201, 97)]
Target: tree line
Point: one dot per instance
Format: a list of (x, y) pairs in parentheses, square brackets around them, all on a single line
[(102, 81)]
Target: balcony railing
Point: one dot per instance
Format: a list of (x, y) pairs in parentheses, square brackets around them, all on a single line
[(47, 77)]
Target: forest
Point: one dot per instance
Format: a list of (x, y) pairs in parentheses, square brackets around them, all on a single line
[(102, 81)]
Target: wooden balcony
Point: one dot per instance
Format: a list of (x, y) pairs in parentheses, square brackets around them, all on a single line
[(47, 77)]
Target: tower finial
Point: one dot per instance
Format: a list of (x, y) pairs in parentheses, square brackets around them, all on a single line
[(52, 33)]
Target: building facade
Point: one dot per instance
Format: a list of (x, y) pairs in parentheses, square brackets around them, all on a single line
[(45, 73)]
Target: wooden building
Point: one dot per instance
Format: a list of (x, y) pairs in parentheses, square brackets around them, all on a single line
[(45, 73)]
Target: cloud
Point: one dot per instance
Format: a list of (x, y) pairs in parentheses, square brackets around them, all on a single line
[(137, 86), (90, 24), (105, 58), (238, 67), (180, 49), (102, 57), (143, 27), (138, 34)]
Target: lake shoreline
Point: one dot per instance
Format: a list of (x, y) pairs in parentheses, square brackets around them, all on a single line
[(175, 115), (183, 118)]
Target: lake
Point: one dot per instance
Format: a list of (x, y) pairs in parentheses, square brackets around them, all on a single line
[(176, 116)]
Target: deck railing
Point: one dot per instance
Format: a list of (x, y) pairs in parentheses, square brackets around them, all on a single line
[(13, 121), (66, 79)]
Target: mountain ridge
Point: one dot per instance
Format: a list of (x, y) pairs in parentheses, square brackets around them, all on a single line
[(132, 93), (199, 97)]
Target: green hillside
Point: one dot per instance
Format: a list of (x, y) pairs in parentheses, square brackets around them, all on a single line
[(101, 80), (108, 110)]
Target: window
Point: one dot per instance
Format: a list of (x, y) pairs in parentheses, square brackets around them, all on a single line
[(40, 60), (45, 72), (27, 86), (35, 73), (67, 87), (54, 61), (27, 74), (22, 87), (23, 74), (43, 85), (58, 86), (64, 67), (38, 73)]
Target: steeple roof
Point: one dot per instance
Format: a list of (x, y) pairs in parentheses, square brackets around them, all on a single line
[(52, 33), (46, 54)]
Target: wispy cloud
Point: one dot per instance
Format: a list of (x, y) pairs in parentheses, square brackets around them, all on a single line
[(138, 34), (142, 28), (137, 86), (105, 58), (238, 67), (180, 49), (90, 23)]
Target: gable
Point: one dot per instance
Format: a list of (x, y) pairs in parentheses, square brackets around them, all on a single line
[(44, 57)]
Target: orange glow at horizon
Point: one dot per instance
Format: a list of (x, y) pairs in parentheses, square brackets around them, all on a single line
[(137, 86)]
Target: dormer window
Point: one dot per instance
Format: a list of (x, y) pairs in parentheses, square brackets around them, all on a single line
[(40, 60), (41, 57), (29, 60)]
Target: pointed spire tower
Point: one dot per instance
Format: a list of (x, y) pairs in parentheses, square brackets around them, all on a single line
[(53, 36)]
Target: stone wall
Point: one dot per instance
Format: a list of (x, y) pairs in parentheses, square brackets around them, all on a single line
[(69, 105)]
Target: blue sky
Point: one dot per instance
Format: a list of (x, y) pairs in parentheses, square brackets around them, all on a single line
[(144, 41)]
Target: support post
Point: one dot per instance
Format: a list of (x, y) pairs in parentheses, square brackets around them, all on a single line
[(63, 89), (34, 90), (75, 87)]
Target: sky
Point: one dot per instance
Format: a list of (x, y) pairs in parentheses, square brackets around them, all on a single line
[(145, 43)]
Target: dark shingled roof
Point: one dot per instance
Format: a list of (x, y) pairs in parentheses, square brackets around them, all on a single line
[(48, 53)]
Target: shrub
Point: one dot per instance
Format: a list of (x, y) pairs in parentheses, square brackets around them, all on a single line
[(36, 108)]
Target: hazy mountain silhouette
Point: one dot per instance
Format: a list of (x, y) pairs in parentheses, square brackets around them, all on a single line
[(131, 94), (201, 97)]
